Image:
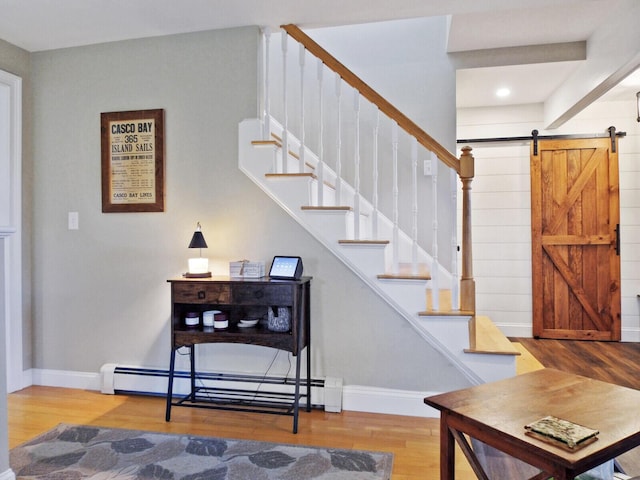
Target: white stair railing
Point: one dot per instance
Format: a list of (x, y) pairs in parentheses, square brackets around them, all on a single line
[(397, 192)]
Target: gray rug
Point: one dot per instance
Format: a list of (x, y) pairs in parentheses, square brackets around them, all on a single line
[(74, 452)]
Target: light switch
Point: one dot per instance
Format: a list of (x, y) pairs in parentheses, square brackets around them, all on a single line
[(73, 220)]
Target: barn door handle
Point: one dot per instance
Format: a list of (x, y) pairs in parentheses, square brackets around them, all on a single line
[(618, 239)]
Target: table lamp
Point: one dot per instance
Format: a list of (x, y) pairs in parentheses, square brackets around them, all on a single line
[(198, 267)]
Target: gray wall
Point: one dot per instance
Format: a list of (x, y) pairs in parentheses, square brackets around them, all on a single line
[(100, 293)]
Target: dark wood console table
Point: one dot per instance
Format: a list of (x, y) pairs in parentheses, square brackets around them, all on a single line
[(240, 299)]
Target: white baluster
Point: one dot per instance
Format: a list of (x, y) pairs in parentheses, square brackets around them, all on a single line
[(338, 142), (301, 152), (266, 118), (320, 166), (455, 274), (394, 192), (435, 265), (356, 159), (285, 119), (374, 219), (414, 205)]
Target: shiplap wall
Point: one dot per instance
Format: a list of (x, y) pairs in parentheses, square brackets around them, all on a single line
[(501, 207)]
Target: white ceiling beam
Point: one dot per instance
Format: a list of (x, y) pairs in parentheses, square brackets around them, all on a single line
[(526, 55), (613, 52)]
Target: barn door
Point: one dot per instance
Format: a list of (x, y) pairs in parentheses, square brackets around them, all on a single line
[(575, 225)]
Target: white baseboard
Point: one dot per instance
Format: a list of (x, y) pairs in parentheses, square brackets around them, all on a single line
[(387, 401), (354, 397), (8, 475), (66, 379)]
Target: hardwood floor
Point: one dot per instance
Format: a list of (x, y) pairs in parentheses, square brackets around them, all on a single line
[(613, 362), (413, 441)]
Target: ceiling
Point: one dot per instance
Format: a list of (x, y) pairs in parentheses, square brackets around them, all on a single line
[(493, 26)]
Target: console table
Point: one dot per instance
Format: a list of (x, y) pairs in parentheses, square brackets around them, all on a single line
[(240, 299)]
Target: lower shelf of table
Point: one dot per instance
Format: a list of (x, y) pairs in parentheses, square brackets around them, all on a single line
[(280, 403)]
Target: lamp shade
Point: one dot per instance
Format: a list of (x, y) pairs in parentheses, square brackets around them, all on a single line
[(198, 241)]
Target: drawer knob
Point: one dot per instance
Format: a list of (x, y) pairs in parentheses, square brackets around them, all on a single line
[(201, 295)]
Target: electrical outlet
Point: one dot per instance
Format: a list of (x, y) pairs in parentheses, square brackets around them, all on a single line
[(427, 168), (73, 221)]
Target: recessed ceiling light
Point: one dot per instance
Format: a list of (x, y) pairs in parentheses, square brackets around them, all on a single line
[(503, 92)]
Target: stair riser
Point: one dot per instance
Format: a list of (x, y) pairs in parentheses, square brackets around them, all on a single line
[(369, 259)]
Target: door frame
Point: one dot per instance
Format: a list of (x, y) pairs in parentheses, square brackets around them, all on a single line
[(11, 316)]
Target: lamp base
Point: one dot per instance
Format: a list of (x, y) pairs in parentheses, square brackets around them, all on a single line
[(197, 275)]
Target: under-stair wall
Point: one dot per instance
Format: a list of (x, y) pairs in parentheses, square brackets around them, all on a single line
[(449, 334)]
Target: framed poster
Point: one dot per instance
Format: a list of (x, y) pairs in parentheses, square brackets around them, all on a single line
[(132, 147)]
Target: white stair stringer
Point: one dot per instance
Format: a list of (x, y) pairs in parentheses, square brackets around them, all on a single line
[(447, 334)]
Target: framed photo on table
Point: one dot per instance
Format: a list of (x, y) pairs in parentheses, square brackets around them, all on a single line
[(132, 151)]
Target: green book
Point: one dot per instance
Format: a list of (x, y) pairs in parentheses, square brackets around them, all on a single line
[(565, 433)]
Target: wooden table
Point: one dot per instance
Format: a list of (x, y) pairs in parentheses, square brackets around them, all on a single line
[(496, 413)]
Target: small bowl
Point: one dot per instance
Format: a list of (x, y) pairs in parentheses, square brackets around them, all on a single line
[(248, 323), (220, 324)]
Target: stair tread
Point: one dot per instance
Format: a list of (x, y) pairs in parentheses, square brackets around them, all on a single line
[(262, 143), (486, 337), (290, 175), (446, 313), (326, 208), (404, 276), (363, 242)]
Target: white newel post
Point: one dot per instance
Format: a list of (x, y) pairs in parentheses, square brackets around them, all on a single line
[(10, 252)]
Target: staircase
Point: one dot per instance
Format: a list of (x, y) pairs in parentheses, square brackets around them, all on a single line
[(350, 225)]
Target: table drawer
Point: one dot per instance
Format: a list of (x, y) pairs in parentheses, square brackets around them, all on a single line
[(192, 292), (263, 294)]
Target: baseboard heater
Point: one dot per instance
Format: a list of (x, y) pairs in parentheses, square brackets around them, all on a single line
[(117, 379)]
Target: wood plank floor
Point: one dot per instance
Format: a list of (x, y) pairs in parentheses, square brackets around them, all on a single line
[(413, 441)]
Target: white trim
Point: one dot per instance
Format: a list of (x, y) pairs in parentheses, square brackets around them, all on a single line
[(65, 379), (354, 397), (8, 475), (387, 401), (12, 268)]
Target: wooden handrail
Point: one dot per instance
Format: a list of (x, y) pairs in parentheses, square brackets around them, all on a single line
[(374, 97)]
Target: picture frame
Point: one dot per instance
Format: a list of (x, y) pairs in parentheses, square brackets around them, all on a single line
[(132, 154)]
